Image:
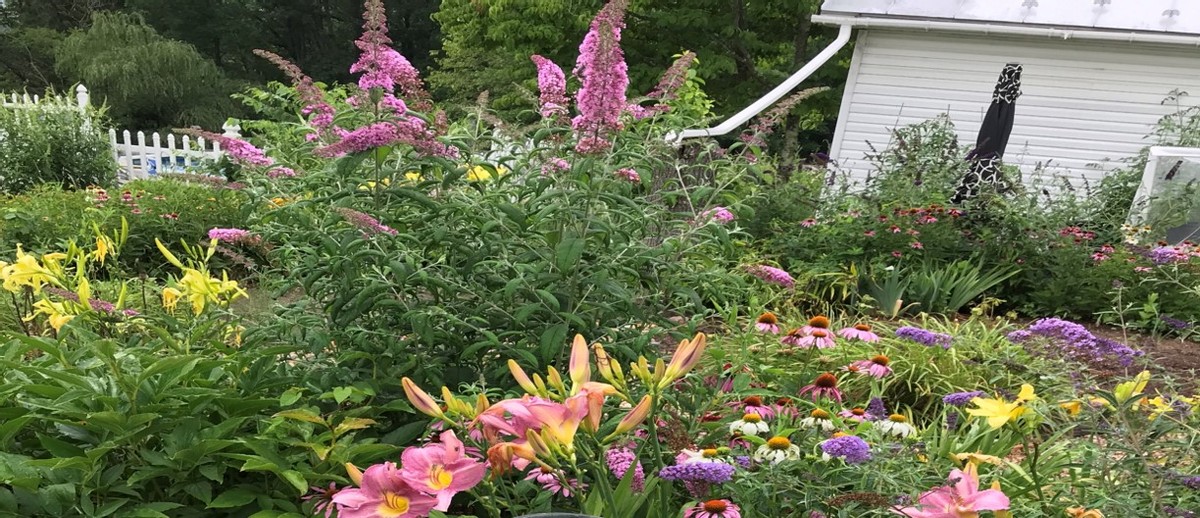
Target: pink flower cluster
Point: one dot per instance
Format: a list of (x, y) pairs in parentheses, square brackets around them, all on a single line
[(668, 86), (281, 172), (318, 110), (239, 150), (772, 275), (411, 131), (555, 165), (369, 225), (552, 87), (231, 235), (628, 175), (718, 214), (380, 65), (601, 98), (619, 460), (427, 479)]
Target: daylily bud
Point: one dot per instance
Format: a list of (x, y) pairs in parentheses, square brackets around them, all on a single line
[(633, 418), (354, 473), (522, 379), (603, 363), (538, 444), (540, 385), (686, 356), (641, 369), (481, 403), (554, 379), (420, 400), (578, 368), (660, 370)]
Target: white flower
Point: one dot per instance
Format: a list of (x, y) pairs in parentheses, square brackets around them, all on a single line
[(705, 455), (749, 424), (897, 425), (818, 419), (777, 450)]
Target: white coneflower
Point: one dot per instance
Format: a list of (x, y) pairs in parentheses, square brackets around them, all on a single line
[(703, 455), (749, 424), (776, 450), (818, 419), (898, 425)]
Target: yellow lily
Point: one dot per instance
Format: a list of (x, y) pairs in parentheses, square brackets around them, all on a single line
[(170, 298), (103, 248), (978, 458), (56, 313), (998, 412), (1159, 406), (1127, 390), (27, 271), (480, 173), (1072, 407)]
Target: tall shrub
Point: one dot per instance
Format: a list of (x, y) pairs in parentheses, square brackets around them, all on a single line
[(53, 142)]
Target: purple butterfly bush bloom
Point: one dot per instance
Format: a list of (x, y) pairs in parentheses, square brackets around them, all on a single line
[(369, 225), (1076, 342), (718, 214), (772, 275), (850, 448), (925, 336), (710, 472), (601, 66), (619, 461), (961, 398), (229, 235), (552, 87)]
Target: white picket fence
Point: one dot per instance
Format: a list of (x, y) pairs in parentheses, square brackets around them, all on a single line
[(142, 155)]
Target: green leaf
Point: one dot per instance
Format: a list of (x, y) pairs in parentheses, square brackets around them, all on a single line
[(296, 479), (59, 448), (302, 414), (236, 497), (290, 396), (568, 252), (341, 394)]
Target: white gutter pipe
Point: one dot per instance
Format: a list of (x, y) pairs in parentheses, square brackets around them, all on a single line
[(774, 95), (1016, 30)]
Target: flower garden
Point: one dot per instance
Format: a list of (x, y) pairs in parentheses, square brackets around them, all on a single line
[(382, 307)]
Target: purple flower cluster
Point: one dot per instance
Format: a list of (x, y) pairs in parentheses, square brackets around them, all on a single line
[(318, 110), (410, 130), (1171, 254), (97, 305), (619, 460), (370, 226), (850, 448), (1077, 342), (1176, 512), (555, 165), (229, 235), (552, 87), (628, 175), (281, 172), (1174, 323), (772, 275), (961, 398), (925, 336), (380, 65), (718, 214), (239, 151), (605, 78), (876, 408), (708, 472), (1192, 482)]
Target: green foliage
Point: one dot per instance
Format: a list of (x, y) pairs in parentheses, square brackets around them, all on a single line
[(167, 209), (53, 142), (150, 81)]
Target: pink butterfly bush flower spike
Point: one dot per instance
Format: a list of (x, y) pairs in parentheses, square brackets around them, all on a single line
[(601, 98), (552, 87), (441, 469), (962, 499), (383, 492)]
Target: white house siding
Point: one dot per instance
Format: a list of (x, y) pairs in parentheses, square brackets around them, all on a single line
[(1086, 104)]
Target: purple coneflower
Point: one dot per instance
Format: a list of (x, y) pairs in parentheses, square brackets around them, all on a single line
[(825, 385), (767, 323), (818, 338), (859, 332), (877, 366), (857, 414), (552, 481), (714, 509)]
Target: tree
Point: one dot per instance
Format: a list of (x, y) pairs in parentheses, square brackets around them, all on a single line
[(148, 81)]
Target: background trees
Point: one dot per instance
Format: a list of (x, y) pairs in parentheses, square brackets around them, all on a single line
[(163, 62)]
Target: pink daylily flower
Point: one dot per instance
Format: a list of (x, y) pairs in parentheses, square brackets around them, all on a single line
[(384, 493), (961, 499), (441, 469)]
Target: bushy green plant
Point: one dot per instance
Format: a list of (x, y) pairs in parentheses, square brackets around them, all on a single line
[(168, 209), (53, 142)]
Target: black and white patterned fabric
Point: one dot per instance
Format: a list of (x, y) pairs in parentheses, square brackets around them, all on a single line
[(986, 159)]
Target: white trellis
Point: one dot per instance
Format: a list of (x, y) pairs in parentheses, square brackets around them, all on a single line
[(141, 154)]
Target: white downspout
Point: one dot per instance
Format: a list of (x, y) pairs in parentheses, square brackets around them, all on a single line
[(774, 95)]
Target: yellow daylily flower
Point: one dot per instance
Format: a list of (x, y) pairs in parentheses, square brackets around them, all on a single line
[(997, 412), (413, 176), (479, 173), (56, 313), (103, 248), (978, 458), (1080, 512), (1127, 390), (171, 298), (1026, 395), (367, 186), (1072, 407), (1159, 406), (27, 271)]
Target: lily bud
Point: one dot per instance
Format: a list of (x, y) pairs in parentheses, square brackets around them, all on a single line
[(522, 379), (578, 368), (355, 474), (686, 356), (554, 379), (420, 400), (633, 418)]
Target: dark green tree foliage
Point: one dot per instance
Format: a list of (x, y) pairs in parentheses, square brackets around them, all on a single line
[(745, 49), (147, 80)]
